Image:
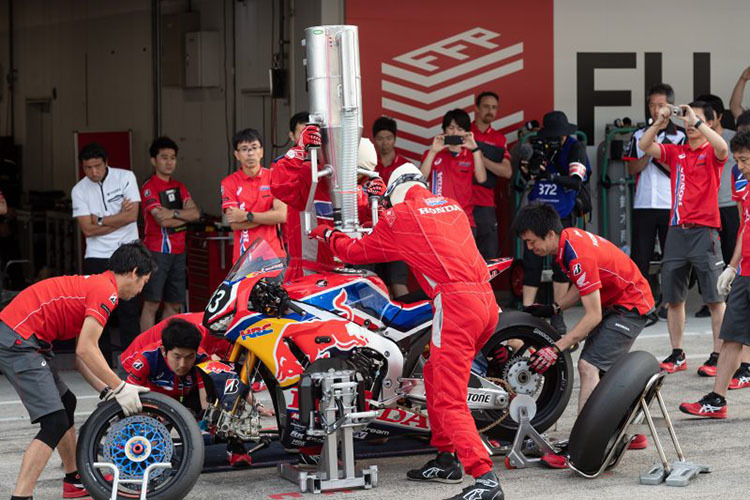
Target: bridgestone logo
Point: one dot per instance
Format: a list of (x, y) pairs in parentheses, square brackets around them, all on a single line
[(439, 210), (479, 398)]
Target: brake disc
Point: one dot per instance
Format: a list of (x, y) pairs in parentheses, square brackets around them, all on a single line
[(521, 378), (136, 442)]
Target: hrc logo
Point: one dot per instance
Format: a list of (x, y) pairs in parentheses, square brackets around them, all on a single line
[(256, 331)]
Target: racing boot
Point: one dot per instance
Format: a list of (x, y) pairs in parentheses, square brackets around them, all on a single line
[(708, 369), (711, 405), (72, 486), (675, 362), (485, 487), (237, 454), (741, 377), (445, 468), (639, 442)]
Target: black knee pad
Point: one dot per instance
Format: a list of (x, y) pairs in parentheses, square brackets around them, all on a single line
[(53, 428), (69, 401)]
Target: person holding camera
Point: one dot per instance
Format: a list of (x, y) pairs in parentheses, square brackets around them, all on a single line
[(693, 236), (653, 195), (453, 161), (558, 165)]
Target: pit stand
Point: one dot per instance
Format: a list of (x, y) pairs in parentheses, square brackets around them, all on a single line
[(338, 420)]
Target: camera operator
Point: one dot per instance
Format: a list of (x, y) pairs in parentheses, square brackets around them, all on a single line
[(453, 161), (557, 164), (693, 237), (653, 194)]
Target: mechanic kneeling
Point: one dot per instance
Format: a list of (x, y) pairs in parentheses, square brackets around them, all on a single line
[(433, 236), (616, 297), (168, 367)]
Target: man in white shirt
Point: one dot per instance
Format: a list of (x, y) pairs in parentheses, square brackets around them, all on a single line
[(653, 193), (106, 204)]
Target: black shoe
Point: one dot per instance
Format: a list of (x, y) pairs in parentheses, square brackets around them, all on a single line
[(558, 324), (445, 468), (663, 313), (485, 487), (703, 312)]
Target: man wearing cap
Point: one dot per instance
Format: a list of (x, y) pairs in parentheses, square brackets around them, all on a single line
[(565, 169), (432, 235)]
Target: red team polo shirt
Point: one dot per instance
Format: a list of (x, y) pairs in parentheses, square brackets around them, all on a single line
[(741, 193), (484, 196), (593, 263), (452, 177), (252, 194), (156, 192), (695, 175), (54, 309), (385, 172)]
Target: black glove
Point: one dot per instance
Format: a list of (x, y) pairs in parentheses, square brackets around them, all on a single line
[(542, 310), (568, 181)]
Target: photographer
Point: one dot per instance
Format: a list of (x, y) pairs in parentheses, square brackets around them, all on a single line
[(653, 194), (558, 165), (693, 237), (453, 160)]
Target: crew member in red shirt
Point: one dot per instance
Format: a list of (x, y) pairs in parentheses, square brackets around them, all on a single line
[(64, 308), (452, 168), (734, 330), (246, 199), (693, 235), (291, 182), (384, 133), (483, 194), (616, 297), (167, 207), (432, 235)]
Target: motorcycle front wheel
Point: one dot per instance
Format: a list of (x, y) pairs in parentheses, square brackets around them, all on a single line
[(163, 432)]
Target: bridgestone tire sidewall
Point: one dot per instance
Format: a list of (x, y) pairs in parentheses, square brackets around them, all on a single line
[(185, 424), (604, 414)]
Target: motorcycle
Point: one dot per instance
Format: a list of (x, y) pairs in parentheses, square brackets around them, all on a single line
[(344, 319)]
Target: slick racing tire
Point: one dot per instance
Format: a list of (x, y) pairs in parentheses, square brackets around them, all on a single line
[(164, 431), (606, 412), (551, 390)]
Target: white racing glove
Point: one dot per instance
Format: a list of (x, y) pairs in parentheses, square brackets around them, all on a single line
[(127, 396), (724, 283)]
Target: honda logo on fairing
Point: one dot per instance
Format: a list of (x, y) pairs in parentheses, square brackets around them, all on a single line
[(444, 70)]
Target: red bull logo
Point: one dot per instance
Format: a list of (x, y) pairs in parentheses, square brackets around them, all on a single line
[(217, 367), (318, 340), (256, 331)]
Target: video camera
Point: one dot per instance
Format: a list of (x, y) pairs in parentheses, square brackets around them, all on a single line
[(543, 152)]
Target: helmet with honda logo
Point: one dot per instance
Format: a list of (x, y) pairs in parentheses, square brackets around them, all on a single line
[(402, 179)]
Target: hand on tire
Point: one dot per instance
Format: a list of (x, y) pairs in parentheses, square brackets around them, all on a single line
[(540, 361), (127, 396)]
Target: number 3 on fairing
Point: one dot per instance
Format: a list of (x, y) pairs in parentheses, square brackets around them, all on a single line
[(218, 301)]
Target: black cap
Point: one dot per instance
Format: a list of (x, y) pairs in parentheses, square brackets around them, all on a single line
[(555, 124)]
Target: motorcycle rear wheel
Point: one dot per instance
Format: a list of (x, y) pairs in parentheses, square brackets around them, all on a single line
[(552, 394)]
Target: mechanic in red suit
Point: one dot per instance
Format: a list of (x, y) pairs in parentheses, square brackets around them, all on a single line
[(433, 236), (290, 183)]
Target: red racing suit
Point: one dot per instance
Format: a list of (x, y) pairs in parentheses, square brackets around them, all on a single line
[(432, 235), (290, 183)]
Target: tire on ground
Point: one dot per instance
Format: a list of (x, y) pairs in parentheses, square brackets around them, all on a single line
[(605, 413), (184, 424)]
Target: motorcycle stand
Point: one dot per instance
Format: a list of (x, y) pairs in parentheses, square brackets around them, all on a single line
[(143, 481), (338, 406), (522, 411)]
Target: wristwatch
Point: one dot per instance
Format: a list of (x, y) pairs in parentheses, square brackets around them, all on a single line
[(100, 221), (475, 149), (250, 216)]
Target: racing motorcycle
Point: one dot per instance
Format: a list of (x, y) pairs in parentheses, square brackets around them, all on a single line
[(344, 319)]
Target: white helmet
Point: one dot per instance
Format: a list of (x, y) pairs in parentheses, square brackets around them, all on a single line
[(402, 179), (367, 158)]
